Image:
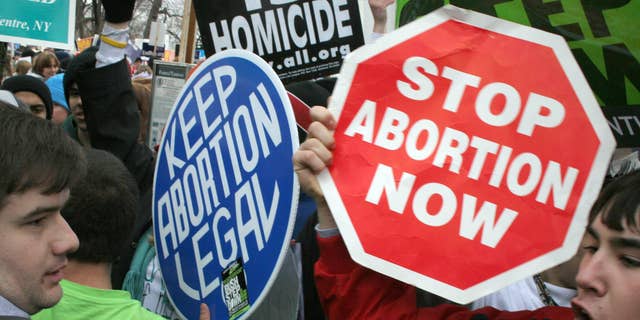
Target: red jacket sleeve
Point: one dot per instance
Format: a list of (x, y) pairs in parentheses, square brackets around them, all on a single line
[(350, 291)]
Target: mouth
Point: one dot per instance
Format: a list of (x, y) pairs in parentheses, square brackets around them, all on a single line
[(580, 312), (55, 275)]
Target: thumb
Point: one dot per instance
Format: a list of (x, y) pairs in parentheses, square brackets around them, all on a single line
[(204, 312)]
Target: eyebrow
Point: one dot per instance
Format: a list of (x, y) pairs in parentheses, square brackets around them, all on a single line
[(621, 242), (618, 242), (40, 211)]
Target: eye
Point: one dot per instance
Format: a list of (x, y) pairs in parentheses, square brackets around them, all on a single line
[(37, 222), (630, 261), (591, 249)]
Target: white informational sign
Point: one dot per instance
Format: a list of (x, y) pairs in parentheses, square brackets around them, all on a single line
[(168, 80)]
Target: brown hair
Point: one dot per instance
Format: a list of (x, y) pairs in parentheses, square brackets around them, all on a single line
[(143, 98), (36, 154), (44, 60)]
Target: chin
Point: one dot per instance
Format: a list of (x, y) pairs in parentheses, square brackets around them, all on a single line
[(52, 297)]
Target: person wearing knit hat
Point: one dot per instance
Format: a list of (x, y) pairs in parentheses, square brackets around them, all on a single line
[(32, 92), (60, 108)]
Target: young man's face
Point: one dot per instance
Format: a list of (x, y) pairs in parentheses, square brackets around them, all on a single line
[(35, 103), (75, 103), (609, 276), (34, 242)]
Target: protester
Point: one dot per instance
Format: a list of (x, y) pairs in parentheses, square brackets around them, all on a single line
[(22, 67), (60, 108), (64, 58), (27, 52), (105, 116), (97, 83), (45, 65), (33, 92), (143, 71), (6, 68), (39, 163), (143, 100), (101, 211), (607, 280)]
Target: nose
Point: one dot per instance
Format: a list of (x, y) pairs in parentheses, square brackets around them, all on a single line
[(66, 240), (591, 275)]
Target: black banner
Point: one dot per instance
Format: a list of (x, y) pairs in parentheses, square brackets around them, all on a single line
[(625, 125), (299, 39)]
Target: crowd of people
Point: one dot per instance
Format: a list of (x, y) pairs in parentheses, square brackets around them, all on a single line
[(76, 222)]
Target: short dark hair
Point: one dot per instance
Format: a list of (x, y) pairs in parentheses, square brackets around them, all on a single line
[(102, 208), (36, 153), (619, 203)]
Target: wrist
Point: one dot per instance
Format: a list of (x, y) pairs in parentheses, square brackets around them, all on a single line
[(118, 25), (325, 218)]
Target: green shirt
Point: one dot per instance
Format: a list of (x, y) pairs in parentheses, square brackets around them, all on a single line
[(82, 302)]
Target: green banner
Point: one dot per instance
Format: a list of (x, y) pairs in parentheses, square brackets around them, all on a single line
[(48, 23), (604, 36)]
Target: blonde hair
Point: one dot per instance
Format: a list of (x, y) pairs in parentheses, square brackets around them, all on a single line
[(23, 66)]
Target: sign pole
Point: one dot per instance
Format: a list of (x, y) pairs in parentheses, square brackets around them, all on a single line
[(188, 32)]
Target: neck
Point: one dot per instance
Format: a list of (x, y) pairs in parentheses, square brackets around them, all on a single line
[(564, 274), (96, 275)]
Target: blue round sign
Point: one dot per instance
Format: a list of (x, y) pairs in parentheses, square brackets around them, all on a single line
[(225, 191)]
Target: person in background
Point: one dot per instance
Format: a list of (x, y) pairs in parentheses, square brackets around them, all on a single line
[(60, 108), (143, 71), (98, 84), (6, 67), (64, 58), (28, 52), (45, 65), (101, 211), (22, 67), (143, 99), (39, 164), (135, 65), (33, 92), (608, 277)]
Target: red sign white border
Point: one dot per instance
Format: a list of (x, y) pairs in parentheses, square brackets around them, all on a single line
[(589, 194)]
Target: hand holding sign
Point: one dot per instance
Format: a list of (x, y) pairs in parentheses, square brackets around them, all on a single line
[(313, 156)]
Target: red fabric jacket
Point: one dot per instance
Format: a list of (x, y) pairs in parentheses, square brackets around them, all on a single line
[(350, 291)]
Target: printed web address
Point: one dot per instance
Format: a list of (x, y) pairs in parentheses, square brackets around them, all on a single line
[(301, 57)]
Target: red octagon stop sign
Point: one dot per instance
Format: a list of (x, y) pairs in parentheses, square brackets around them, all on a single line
[(469, 151)]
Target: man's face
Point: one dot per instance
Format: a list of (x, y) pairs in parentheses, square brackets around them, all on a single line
[(34, 242), (609, 276), (36, 105), (75, 103)]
